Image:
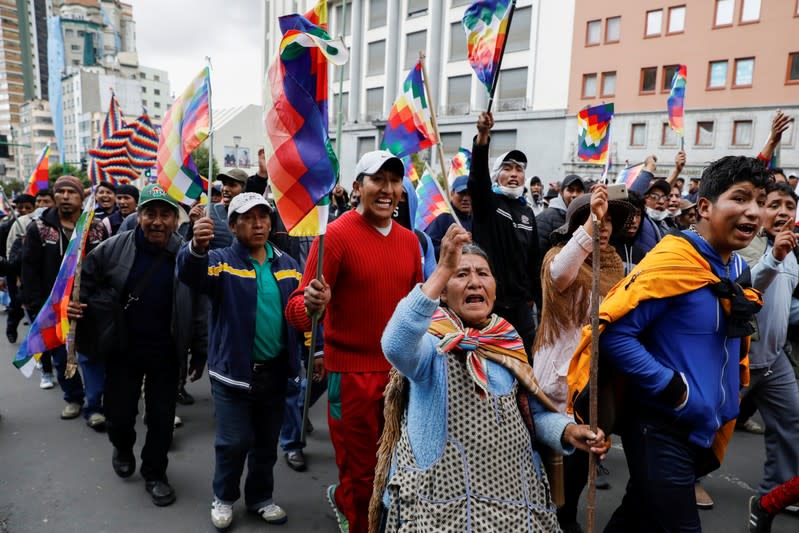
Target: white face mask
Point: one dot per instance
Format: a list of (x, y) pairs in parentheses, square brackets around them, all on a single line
[(657, 216), (512, 192)]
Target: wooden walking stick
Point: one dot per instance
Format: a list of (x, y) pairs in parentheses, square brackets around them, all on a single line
[(72, 362), (593, 382)]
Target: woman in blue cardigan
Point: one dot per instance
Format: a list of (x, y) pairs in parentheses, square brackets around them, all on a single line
[(463, 410)]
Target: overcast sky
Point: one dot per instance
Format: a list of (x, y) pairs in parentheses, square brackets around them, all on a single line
[(176, 35)]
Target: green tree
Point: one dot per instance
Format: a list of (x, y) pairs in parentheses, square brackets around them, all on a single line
[(200, 156), (11, 187), (58, 170)]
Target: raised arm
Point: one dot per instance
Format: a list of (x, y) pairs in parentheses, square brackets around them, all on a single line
[(479, 176), (779, 124), (679, 164)]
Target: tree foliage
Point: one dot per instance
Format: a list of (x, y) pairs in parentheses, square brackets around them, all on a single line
[(58, 170), (200, 156)]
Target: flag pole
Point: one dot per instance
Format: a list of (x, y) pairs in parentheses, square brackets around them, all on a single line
[(210, 141), (72, 362), (433, 119), (594, 369), (445, 196), (340, 96), (502, 55), (312, 348)]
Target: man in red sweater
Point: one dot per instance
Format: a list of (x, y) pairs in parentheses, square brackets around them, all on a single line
[(369, 265)]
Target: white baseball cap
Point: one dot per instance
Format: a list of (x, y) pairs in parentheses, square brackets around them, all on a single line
[(371, 162), (245, 201)]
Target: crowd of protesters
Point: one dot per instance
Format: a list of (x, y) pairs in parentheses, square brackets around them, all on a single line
[(435, 347)]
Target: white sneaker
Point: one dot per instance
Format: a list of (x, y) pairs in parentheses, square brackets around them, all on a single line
[(221, 514), (46, 382), (272, 514), (178, 422)]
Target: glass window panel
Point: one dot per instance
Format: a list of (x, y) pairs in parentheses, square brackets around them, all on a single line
[(377, 13), (638, 134), (724, 10), (793, 70), (743, 71), (613, 29), (501, 142), (376, 58), (668, 137), (704, 133), (649, 79), (677, 19), (374, 102), (519, 37), (450, 142), (608, 83), (456, 3), (338, 13), (457, 42), (654, 22), (415, 43), (589, 85), (513, 83), (459, 89), (365, 144), (742, 133), (668, 76), (593, 31), (750, 10), (417, 7), (718, 74)]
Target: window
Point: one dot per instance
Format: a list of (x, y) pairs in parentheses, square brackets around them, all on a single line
[(638, 134), (339, 19), (69, 33), (156, 91), (704, 133), (608, 83), (593, 29), (649, 76), (144, 102), (742, 133), (519, 38), (750, 11), (365, 144), (142, 76), (667, 135), (374, 102), (501, 142), (723, 16), (717, 75), (676, 19), (612, 30), (450, 142), (414, 43), (74, 47), (456, 3), (744, 71), (512, 87), (457, 43), (143, 89), (668, 76), (459, 89), (377, 13), (157, 104), (344, 70), (589, 86), (792, 75), (417, 7), (156, 77), (654, 23), (345, 102), (376, 58)]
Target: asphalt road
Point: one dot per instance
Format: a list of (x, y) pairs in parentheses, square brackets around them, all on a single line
[(56, 476)]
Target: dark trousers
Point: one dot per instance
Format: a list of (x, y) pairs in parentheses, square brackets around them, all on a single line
[(247, 428), (575, 478), (520, 317), (15, 312), (123, 384), (292, 417), (660, 493)]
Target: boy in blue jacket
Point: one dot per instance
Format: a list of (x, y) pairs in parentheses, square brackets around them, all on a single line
[(680, 350), (252, 350)]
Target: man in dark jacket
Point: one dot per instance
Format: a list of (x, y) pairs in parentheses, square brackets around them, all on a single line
[(554, 216), (157, 319), (12, 225), (504, 226), (46, 241), (252, 350)]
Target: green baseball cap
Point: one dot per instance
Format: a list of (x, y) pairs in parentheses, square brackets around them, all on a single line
[(156, 193)]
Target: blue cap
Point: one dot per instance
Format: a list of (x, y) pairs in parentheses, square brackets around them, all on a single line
[(460, 184)]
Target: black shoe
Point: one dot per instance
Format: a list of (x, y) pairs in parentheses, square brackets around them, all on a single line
[(759, 520), (11, 336), (308, 426), (124, 462), (161, 492), (296, 460), (184, 398)]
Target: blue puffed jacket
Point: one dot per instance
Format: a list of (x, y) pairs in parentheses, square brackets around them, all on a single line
[(228, 277)]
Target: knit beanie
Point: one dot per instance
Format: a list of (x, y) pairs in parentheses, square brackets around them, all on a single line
[(69, 181), (130, 190)]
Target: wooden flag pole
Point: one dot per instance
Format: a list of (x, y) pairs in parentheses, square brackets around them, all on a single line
[(445, 196), (594, 372), (312, 348), (72, 362), (210, 142), (433, 119), (501, 56)]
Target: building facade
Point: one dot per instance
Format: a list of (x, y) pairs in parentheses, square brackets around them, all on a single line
[(385, 38), (156, 94), (36, 132), (238, 135), (742, 61)]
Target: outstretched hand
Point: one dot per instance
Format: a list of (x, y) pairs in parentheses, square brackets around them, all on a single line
[(450, 257), (779, 124), (784, 241)]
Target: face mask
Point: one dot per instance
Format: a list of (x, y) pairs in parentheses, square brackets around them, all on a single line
[(657, 216), (675, 213), (512, 192)]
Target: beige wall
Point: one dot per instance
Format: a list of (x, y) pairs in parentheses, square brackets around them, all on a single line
[(769, 41)]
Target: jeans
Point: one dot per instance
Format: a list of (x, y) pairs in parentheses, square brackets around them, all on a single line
[(247, 428), (72, 387), (123, 383), (15, 312), (660, 493), (292, 417), (93, 370)]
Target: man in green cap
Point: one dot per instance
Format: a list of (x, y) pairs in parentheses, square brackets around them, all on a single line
[(134, 314)]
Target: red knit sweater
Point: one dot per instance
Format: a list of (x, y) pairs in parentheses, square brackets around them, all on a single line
[(368, 274)]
